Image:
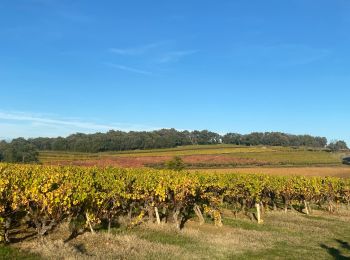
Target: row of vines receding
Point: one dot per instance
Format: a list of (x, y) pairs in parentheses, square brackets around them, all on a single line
[(42, 197)]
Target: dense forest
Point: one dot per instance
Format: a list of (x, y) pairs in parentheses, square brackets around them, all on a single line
[(168, 138), (18, 150), (22, 150)]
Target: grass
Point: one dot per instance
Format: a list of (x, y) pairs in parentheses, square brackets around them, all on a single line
[(170, 238), (7, 252), (294, 157), (289, 235), (269, 155), (335, 171)]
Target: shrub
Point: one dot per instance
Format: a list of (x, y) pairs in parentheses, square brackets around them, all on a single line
[(176, 164)]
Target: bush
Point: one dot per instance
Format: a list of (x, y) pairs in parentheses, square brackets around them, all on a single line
[(337, 146), (176, 164)]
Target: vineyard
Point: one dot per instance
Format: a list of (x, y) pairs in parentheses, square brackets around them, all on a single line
[(204, 157), (43, 197)]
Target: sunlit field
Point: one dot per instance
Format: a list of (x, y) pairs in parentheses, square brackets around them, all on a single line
[(257, 159), (114, 213), (336, 171), (282, 236)]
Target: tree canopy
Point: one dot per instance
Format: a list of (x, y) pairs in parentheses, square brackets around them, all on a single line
[(168, 138), (25, 150), (18, 150), (337, 146)]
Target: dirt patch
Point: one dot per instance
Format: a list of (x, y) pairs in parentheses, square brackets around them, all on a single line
[(144, 161)]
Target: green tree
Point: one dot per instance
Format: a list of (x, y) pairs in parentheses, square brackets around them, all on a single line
[(3, 145), (18, 150), (337, 146), (176, 164)]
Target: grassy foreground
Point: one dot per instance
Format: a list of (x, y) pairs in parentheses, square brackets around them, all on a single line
[(282, 236), (7, 252)]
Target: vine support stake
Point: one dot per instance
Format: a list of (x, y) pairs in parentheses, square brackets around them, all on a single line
[(199, 214), (306, 206), (157, 215), (257, 205), (89, 223)]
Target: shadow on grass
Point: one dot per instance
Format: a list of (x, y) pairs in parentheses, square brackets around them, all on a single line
[(337, 253), (7, 252), (15, 240)]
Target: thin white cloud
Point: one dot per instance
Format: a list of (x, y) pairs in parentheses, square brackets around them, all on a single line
[(129, 69), (175, 56), (136, 50), (36, 119), (14, 124), (153, 55)]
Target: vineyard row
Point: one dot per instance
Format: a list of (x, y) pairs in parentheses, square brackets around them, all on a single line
[(42, 197)]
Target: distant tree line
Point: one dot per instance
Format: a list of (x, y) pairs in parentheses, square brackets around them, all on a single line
[(122, 141), (18, 150), (337, 146), (274, 139), (22, 150), (168, 138)]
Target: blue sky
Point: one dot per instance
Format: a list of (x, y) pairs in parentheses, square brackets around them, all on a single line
[(227, 66)]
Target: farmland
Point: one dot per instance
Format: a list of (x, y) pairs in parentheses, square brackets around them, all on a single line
[(228, 229), (218, 158), (335, 171), (147, 214)]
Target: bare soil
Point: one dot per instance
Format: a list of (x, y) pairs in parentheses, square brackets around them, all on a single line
[(144, 161)]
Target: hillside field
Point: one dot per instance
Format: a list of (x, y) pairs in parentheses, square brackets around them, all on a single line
[(115, 213), (290, 233), (220, 158)]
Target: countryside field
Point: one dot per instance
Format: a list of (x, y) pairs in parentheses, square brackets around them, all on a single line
[(79, 201), (174, 130), (287, 231), (217, 158), (335, 171)]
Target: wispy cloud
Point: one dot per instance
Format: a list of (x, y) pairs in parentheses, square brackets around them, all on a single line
[(136, 50), (129, 69), (149, 55), (174, 56), (36, 119), (15, 124)]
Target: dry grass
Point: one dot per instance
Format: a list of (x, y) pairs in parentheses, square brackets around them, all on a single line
[(216, 154), (336, 171), (289, 235), (104, 246)]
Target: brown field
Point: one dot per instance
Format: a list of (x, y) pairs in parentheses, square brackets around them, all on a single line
[(216, 158), (144, 161), (215, 154), (339, 171)]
